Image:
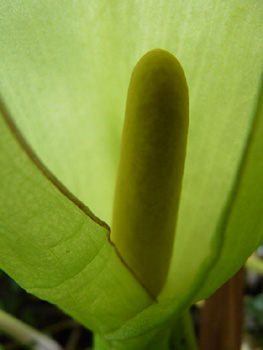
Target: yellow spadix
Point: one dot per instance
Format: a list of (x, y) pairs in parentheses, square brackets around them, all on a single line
[(151, 167)]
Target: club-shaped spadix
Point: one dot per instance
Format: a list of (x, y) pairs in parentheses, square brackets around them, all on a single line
[(151, 167)]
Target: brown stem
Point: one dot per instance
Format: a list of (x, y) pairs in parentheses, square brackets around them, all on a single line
[(222, 317)]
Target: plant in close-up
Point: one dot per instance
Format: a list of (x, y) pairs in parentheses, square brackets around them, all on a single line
[(130, 159)]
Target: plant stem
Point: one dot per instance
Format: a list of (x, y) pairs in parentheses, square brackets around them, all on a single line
[(175, 335), (222, 317), (183, 336), (25, 334)]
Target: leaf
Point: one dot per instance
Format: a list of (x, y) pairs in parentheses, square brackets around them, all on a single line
[(64, 72), (54, 247), (240, 229)]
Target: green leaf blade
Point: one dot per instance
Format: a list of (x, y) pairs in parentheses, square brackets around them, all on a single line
[(55, 248)]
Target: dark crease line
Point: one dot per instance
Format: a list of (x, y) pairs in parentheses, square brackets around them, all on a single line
[(154, 299), (52, 178), (230, 204), (44, 170)]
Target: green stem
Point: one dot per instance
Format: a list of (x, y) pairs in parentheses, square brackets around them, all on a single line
[(176, 335), (25, 334), (183, 337)]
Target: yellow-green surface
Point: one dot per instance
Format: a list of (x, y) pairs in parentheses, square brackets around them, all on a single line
[(64, 73), (151, 167), (54, 247)]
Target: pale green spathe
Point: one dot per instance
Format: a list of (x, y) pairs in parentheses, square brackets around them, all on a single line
[(54, 247), (64, 73)]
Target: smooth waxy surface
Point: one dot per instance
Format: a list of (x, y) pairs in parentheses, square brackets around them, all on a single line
[(151, 167)]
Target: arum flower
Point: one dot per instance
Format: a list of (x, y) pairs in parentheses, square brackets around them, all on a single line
[(65, 69)]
